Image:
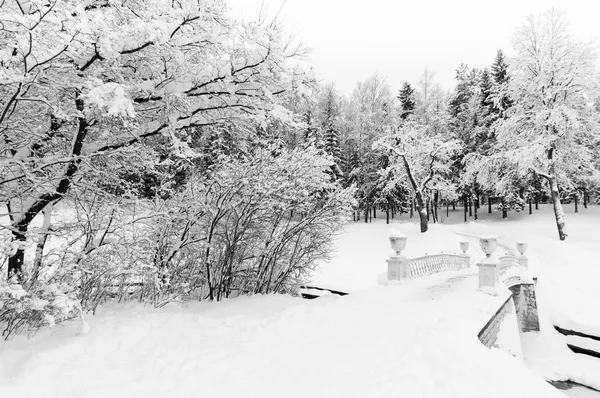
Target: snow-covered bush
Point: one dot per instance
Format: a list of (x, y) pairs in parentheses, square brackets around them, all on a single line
[(511, 202), (25, 312), (256, 224)]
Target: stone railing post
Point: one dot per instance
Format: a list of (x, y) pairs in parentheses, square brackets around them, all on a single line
[(396, 268), (488, 267), (523, 260), (397, 263)]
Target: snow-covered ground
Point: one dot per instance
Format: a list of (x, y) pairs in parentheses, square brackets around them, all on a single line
[(415, 340), (568, 273), (408, 340)]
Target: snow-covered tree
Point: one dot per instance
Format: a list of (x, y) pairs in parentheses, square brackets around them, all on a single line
[(419, 159), (369, 113), (82, 82), (430, 98), (550, 126), (407, 100), (330, 109)]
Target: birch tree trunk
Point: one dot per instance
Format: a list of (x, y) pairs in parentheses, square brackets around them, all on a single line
[(559, 214)]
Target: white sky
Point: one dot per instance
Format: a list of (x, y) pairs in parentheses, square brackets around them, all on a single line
[(351, 40)]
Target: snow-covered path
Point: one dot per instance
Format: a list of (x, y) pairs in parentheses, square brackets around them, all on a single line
[(417, 340)]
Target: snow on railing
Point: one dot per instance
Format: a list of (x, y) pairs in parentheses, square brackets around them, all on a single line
[(427, 265), (506, 263)]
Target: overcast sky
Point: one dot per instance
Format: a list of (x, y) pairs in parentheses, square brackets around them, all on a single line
[(350, 40)]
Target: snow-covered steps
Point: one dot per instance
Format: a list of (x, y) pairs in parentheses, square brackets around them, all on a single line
[(581, 343), (313, 292)]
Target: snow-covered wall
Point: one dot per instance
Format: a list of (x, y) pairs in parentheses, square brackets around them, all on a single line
[(502, 330)]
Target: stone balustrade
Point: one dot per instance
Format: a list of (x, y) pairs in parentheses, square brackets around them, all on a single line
[(402, 268)]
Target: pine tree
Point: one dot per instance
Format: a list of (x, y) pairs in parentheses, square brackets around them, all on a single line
[(486, 86), (500, 68), (331, 139), (501, 78), (407, 101), (312, 135), (466, 89)]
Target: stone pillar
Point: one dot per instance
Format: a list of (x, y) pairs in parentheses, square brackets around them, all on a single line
[(464, 246), (531, 322), (523, 295), (396, 268), (488, 275), (523, 260), (397, 263), (488, 267)]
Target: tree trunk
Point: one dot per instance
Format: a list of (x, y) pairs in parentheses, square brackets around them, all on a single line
[(476, 207), (453, 206), (447, 209), (585, 199), (489, 204), (504, 211), (436, 198), (576, 204), (39, 249), (422, 209), (530, 208), (411, 208), (465, 208), (537, 201), (470, 207), (15, 262), (387, 214), (559, 214), (367, 214), (428, 210), (374, 211)]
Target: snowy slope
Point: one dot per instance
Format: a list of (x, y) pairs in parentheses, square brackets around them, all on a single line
[(413, 340), (385, 342)]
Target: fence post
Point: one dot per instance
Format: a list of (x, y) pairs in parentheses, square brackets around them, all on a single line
[(488, 267)]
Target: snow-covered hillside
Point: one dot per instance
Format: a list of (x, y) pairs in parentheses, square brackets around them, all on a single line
[(377, 342)]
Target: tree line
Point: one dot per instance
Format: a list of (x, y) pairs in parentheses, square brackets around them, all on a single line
[(522, 130), (163, 151)]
